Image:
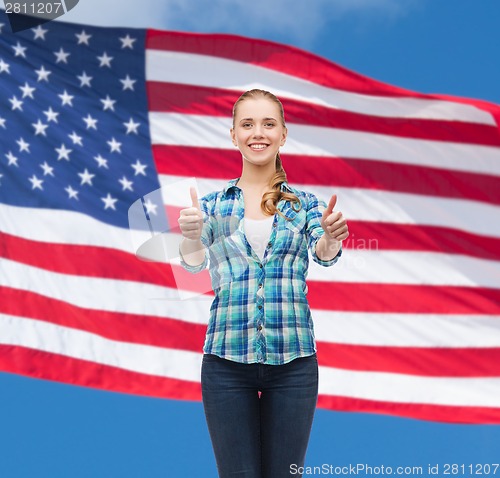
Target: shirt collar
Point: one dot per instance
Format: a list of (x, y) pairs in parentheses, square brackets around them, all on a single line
[(232, 184)]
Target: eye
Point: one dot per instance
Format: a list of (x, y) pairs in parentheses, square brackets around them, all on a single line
[(270, 125), (247, 125)]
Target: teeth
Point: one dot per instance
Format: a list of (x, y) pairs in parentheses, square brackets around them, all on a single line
[(258, 146)]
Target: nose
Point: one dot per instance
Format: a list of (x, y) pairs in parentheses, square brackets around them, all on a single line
[(257, 132)]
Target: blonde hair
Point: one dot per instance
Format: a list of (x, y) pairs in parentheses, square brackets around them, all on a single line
[(271, 198)]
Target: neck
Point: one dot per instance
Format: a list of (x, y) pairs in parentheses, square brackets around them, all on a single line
[(258, 177)]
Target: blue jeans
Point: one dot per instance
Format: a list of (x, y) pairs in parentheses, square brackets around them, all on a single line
[(259, 437)]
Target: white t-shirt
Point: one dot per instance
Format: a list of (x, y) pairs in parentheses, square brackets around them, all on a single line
[(258, 232)]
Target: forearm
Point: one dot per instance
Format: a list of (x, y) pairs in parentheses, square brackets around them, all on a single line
[(327, 249), (193, 251)]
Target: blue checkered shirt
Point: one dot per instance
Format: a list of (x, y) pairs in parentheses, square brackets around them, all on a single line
[(260, 312)]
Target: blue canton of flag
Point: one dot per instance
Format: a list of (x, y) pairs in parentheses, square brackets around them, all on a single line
[(74, 130)]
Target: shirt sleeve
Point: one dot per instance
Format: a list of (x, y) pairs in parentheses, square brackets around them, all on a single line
[(207, 236), (314, 230)]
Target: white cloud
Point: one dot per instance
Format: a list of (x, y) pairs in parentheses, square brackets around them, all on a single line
[(297, 20), (120, 13), (294, 20)]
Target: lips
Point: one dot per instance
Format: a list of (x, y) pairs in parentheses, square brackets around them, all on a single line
[(258, 146)]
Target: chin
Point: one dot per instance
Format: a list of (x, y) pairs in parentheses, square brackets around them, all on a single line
[(260, 161)]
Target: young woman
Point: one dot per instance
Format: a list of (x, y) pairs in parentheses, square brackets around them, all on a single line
[(259, 373)]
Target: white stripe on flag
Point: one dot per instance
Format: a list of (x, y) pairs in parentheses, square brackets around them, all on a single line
[(393, 207), (407, 330), (184, 365), (40, 335), (216, 72), (399, 388), (213, 132)]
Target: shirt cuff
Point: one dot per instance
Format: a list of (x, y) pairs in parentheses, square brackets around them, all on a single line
[(190, 268), (321, 262)]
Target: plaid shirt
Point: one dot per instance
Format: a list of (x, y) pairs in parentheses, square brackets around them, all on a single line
[(260, 312)]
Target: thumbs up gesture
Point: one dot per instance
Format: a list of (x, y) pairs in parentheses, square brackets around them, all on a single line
[(191, 219), (333, 223)]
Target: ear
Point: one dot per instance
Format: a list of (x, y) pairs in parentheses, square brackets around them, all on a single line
[(283, 138), (233, 136)]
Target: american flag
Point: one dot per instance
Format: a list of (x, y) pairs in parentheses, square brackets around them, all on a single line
[(96, 120)]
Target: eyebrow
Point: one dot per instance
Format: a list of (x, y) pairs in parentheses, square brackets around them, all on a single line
[(264, 119)]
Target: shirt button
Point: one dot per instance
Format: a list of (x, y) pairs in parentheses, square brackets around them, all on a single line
[(261, 266), (259, 327), (269, 244), (260, 307), (260, 286)]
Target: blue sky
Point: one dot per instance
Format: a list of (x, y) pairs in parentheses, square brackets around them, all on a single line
[(52, 430)]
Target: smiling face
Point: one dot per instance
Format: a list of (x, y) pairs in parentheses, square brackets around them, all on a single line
[(258, 130)]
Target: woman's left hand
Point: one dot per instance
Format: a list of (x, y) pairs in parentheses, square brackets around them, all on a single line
[(334, 223)]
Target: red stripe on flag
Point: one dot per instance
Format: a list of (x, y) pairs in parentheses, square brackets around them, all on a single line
[(409, 237), (92, 261), (273, 56), (119, 326), (200, 100), (424, 361), (335, 172), (366, 297), (49, 366), (399, 298), (421, 411)]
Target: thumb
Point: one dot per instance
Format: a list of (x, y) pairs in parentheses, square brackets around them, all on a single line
[(331, 205), (194, 197)]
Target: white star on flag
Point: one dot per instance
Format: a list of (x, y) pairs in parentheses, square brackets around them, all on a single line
[(43, 74), (128, 41), (101, 162), (126, 184), (36, 183), (23, 145), (128, 83), (66, 98), (90, 122), (108, 103), (85, 80), (114, 145), (27, 90), (16, 104), (75, 138), (63, 152), (51, 115), (139, 168), (86, 177), (4, 67), (39, 32), (72, 193), (12, 159), (151, 207), (83, 38), (47, 170), (40, 128), (131, 126), (19, 50), (105, 60), (109, 202), (61, 56)]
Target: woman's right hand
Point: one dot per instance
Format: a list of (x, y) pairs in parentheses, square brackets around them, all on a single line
[(191, 219)]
